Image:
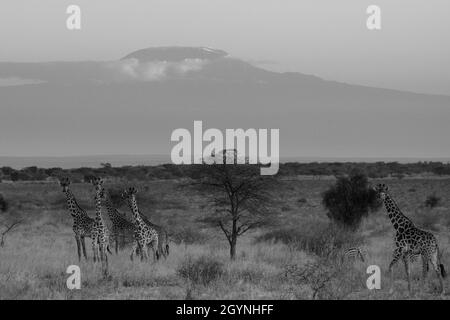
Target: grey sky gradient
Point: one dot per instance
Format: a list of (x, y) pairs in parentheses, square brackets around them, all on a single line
[(95, 101), (325, 38)]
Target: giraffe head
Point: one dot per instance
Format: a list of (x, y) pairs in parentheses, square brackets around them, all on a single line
[(381, 190), (98, 184), (64, 182), (128, 193)]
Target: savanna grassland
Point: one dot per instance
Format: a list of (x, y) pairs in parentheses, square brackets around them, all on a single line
[(288, 260)]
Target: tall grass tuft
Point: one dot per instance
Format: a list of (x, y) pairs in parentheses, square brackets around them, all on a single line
[(319, 238), (202, 270)]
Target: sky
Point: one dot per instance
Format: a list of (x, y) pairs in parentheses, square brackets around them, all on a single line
[(326, 38)]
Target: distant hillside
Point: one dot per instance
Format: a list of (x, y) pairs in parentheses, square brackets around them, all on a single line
[(170, 171)]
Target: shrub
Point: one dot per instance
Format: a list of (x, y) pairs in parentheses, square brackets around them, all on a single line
[(325, 278), (349, 200), (432, 201), (202, 270), (4, 205)]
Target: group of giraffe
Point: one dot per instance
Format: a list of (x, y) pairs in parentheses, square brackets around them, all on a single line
[(147, 236), (410, 241)]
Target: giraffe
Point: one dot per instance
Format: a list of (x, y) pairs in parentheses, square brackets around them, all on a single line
[(411, 241), (120, 225), (100, 234), (145, 235), (163, 236), (83, 225)]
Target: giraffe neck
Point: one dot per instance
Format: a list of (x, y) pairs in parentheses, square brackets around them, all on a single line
[(98, 205), (398, 219), (109, 205), (134, 209), (72, 204)]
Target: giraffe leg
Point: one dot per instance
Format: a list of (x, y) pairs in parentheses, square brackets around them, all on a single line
[(95, 249), (83, 244), (162, 246), (123, 238), (425, 259), (134, 250), (144, 254), (152, 246), (155, 254), (396, 256), (405, 259), (437, 268), (101, 249), (105, 261), (148, 253), (116, 238), (77, 239)]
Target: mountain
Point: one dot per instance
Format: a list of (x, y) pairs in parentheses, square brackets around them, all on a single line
[(174, 54), (132, 105)]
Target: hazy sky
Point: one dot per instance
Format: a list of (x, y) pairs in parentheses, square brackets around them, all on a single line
[(327, 38)]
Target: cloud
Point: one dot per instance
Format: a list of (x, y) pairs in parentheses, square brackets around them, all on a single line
[(133, 69), (17, 81)]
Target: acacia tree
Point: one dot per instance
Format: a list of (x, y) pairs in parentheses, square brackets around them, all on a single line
[(241, 197), (8, 227)]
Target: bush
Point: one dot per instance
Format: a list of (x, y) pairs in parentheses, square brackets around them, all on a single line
[(325, 278), (202, 270), (3, 204), (350, 200), (432, 201)]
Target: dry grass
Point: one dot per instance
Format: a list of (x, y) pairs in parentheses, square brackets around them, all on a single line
[(36, 255)]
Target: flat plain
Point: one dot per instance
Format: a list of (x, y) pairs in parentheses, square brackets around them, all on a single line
[(281, 261)]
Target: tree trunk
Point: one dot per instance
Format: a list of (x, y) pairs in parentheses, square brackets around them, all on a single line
[(233, 248), (233, 240)]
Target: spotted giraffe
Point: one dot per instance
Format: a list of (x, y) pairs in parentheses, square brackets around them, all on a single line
[(146, 237), (83, 225), (411, 241), (121, 226), (100, 234), (163, 236)]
